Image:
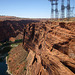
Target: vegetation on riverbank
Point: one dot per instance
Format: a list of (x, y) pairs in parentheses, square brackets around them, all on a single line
[(9, 43), (5, 47)]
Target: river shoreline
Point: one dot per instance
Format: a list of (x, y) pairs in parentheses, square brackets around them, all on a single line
[(8, 67), (4, 67)]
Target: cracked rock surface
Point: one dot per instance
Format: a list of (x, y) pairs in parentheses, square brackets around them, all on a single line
[(50, 49)]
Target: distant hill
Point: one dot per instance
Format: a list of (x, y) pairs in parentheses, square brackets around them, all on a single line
[(11, 18)]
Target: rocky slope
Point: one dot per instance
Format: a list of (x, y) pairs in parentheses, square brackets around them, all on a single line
[(50, 47), (10, 28)]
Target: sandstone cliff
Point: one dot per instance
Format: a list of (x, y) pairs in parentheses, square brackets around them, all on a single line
[(10, 28), (48, 49)]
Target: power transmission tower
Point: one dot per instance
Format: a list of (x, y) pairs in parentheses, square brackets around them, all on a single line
[(54, 9), (54, 3), (71, 11), (68, 9), (62, 9)]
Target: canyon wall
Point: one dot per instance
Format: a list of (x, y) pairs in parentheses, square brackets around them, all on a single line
[(49, 36), (10, 28), (49, 50)]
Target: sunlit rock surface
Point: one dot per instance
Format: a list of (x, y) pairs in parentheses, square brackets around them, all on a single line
[(48, 49)]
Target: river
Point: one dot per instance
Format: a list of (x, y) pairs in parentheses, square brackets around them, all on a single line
[(3, 53), (3, 67)]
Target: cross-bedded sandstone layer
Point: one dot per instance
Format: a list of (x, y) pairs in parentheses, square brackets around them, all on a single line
[(50, 47)]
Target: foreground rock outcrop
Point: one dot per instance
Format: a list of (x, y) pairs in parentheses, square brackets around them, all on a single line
[(50, 47)]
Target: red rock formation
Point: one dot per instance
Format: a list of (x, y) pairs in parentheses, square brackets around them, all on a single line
[(51, 50), (12, 28), (12, 39)]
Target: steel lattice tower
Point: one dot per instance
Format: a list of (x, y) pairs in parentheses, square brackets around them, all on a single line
[(52, 10), (62, 9), (54, 3), (56, 9), (68, 9)]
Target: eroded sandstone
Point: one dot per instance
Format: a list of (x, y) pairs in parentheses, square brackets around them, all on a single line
[(50, 47)]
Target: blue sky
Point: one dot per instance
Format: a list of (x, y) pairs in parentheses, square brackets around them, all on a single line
[(27, 8)]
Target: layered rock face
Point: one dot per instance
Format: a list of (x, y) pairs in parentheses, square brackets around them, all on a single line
[(50, 47), (12, 28), (49, 36)]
